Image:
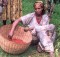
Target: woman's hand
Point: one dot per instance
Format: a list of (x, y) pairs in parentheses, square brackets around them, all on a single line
[(10, 35), (28, 29)]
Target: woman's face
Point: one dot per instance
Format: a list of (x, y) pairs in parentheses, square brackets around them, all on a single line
[(38, 9)]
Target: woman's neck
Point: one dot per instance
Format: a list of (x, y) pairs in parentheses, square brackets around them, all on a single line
[(38, 15), (38, 19)]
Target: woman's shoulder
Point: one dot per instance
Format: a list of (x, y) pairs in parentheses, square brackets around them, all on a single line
[(27, 16), (45, 14), (45, 17)]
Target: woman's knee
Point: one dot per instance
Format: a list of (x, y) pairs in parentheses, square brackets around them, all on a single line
[(50, 27)]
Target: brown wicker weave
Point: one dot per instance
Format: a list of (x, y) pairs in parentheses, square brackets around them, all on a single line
[(13, 47)]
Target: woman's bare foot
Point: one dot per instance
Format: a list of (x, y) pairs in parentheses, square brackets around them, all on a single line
[(51, 54)]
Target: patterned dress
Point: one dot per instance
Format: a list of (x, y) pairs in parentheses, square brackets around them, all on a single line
[(12, 10)]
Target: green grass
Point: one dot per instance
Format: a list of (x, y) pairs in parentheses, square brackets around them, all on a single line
[(31, 51), (27, 6)]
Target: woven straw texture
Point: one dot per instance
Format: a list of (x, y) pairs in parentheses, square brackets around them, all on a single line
[(13, 47)]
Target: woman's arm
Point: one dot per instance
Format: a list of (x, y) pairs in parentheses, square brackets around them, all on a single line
[(13, 27)]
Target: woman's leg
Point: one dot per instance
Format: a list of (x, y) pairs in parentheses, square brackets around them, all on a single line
[(12, 21), (4, 22), (45, 39)]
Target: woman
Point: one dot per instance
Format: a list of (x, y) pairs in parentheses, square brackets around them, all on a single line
[(10, 9), (38, 24)]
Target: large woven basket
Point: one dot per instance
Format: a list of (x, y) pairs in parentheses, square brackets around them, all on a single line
[(11, 46)]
